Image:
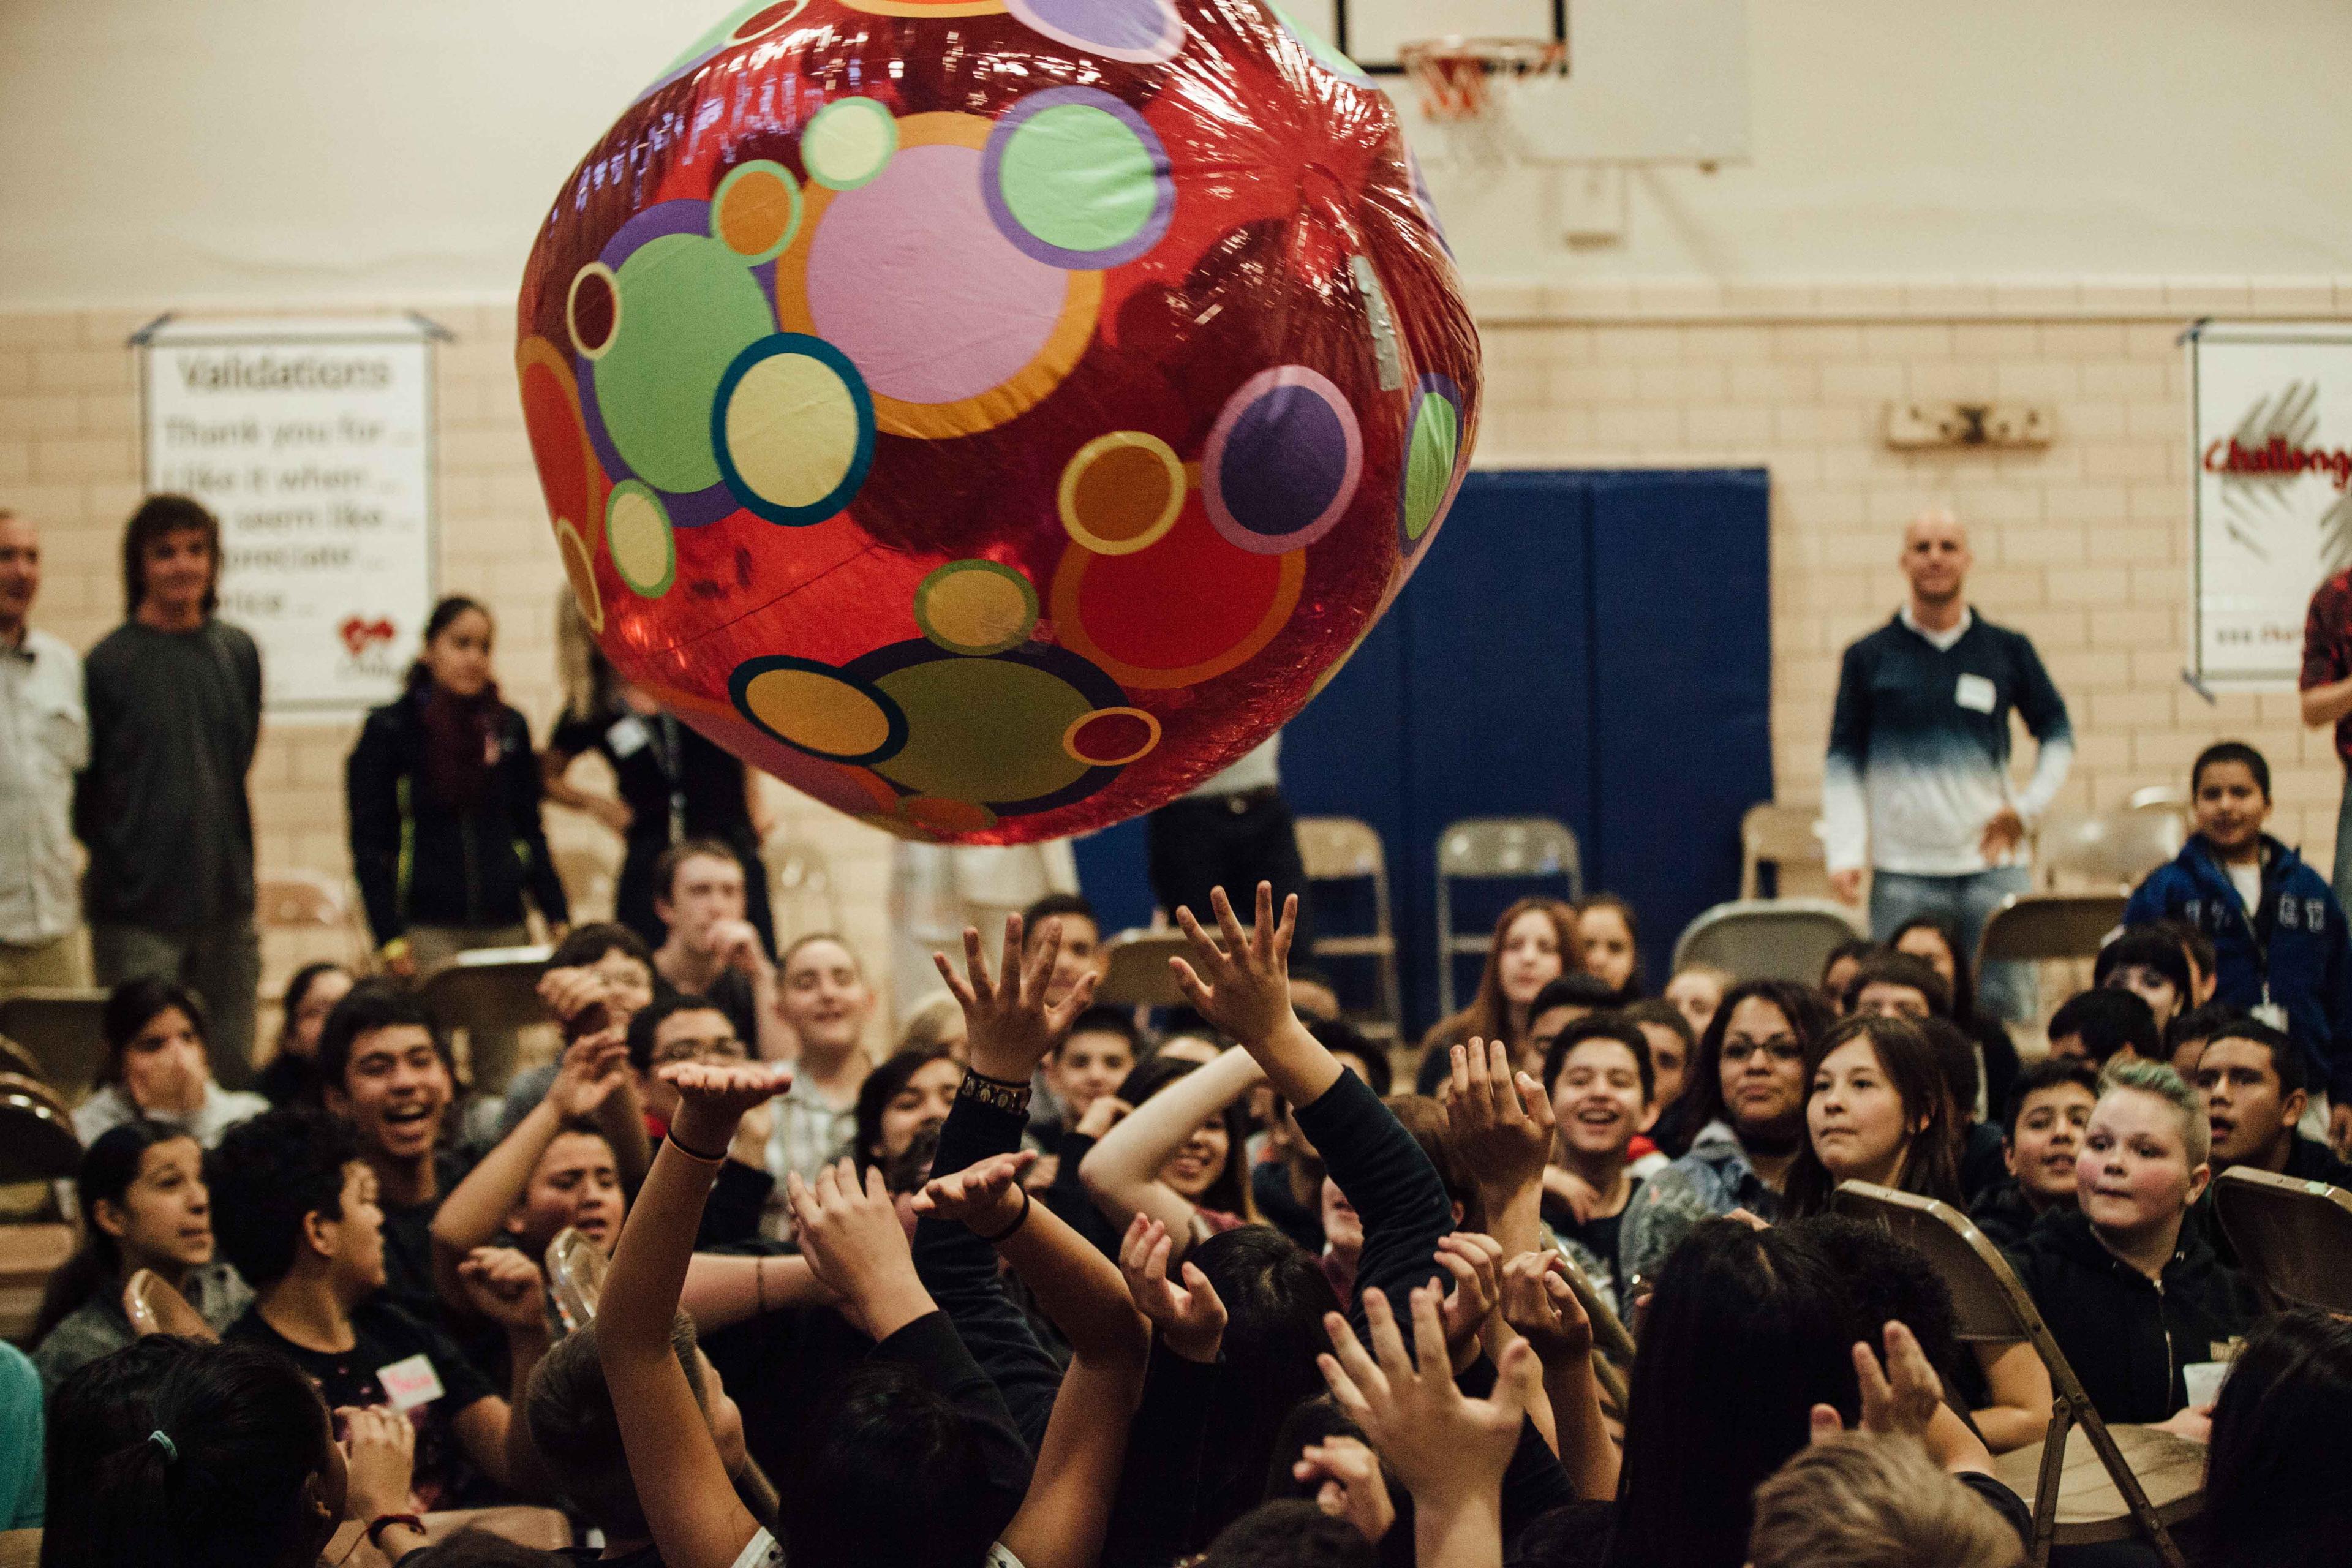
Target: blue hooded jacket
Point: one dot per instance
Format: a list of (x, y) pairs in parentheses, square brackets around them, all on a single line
[(2294, 950)]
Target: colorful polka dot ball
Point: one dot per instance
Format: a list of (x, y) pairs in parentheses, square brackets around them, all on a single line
[(992, 417)]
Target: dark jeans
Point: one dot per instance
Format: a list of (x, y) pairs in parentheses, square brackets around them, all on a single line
[(1232, 841)]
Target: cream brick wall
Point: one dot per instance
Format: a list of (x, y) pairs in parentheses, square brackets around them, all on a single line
[(2084, 546)]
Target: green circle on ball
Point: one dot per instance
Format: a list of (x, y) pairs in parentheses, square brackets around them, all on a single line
[(1079, 178), (849, 141), (692, 306), (1429, 464)]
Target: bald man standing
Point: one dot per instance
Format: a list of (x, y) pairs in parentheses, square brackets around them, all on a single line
[(1918, 786), (44, 742)]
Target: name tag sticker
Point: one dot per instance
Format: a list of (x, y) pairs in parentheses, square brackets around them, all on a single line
[(411, 1382), (1976, 694), (628, 737)]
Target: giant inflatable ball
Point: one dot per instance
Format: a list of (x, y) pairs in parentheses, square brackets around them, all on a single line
[(992, 417)]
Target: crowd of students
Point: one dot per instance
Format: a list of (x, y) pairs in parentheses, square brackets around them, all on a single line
[(1043, 1289)]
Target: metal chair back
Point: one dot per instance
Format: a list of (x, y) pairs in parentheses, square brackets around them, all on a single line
[(1135, 972), (1534, 849), (591, 879), (156, 1307), (489, 988), (1990, 1303), (2109, 848), (1346, 849), (2294, 1237), (1768, 939), (64, 1031), (2038, 927), (1782, 837), (801, 890), (37, 1142)]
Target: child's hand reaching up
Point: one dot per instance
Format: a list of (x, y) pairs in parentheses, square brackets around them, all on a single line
[(1009, 1025), (1243, 985), (712, 1097), (850, 1234)]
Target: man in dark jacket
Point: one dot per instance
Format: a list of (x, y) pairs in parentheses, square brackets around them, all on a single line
[(2252, 1079), (2132, 1294), (2283, 952)]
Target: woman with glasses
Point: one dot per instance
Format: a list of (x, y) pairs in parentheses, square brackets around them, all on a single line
[(1747, 1100)]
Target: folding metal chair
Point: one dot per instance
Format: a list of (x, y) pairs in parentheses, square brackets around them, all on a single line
[(1782, 836), (801, 893), (2040, 927), (1533, 849), (1769, 939), (590, 878), (1345, 849), (2116, 1480), (1135, 972), (2294, 1237), (2109, 848), (64, 1031)]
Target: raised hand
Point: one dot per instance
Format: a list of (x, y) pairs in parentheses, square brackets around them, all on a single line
[(1009, 1025), (1186, 1310), (1353, 1488), (714, 1097), (566, 992), (594, 1066), (736, 945), (855, 1244), (985, 1196), (505, 1286), (1450, 1449), (1540, 1303), (1472, 1260), (380, 1454), (1901, 1399), (1501, 1123), (1242, 986), (1107, 1112)]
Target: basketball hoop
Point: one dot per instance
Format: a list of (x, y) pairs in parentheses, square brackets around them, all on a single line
[(1465, 83)]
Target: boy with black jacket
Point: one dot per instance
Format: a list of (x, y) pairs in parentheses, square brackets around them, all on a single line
[(2282, 951), (2132, 1294)]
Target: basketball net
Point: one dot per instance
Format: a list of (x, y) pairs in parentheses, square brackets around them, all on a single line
[(1467, 84)]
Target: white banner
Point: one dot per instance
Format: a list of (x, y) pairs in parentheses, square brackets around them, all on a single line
[(2271, 446), (312, 442)]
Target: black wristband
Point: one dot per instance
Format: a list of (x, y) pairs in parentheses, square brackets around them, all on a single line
[(1018, 1221), (691, 1152)]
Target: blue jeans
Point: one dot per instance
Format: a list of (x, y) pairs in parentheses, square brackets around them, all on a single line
[(2007, 991)]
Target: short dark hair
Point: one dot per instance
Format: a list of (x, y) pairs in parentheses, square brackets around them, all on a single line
[(2108, 1020), (2191, 937), (2231, 752), (131, 1007), (568, 1410), (2286, 1058), (1054, 904), (645, 1026), (2197, 1024), (684, 849), (1857, 948), (2035, 1076), (370, 1005), (1663, 1012), (1884, 968), (889, 1472), (268, 1175), (1289, 1532), (158, 517), (1614, 1026), (586, 944), (882, 1085), (1338, 1035), (1955, 1055), (2144, 947), (1119, 1021), (1573, 989), (2275, 1493)]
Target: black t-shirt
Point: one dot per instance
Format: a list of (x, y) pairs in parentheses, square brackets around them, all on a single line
[(387, 1339), (408, 1241), (731, 994), (654, 758), (1598, 1236)]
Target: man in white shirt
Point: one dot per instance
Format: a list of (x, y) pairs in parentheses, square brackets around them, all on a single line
[(44, 742)]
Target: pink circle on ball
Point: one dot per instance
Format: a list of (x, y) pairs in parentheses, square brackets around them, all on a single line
[(909, 278)]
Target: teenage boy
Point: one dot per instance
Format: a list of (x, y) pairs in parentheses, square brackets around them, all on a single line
[(2133, 1294), (689, 1029), (2281, 947), (2048, 1112), (713, 951), (44, 742), (294, 1210), (2098, 1026), (2150, 962), (175, 703), (1081, 953), (1601, 1084), (385, 1068), (2251, 1077)]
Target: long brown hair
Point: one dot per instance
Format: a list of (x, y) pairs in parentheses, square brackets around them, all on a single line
[(1489, 1017), (158, 517), (1930, 1160)]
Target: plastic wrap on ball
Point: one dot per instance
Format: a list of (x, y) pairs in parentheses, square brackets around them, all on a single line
[(992, 417)]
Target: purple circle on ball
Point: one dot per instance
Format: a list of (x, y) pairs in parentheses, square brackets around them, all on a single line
[(1000, 211), (1282, 462), (1140, 32)]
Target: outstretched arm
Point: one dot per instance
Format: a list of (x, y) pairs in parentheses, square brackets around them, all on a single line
[(723, 1290), (689, 1499), (1242, 986), (1122, 1171)]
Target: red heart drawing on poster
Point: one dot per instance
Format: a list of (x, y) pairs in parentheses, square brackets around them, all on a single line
[(359, 634)]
